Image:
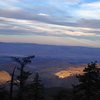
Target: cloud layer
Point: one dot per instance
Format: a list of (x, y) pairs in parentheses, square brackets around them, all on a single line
[(64, 22)]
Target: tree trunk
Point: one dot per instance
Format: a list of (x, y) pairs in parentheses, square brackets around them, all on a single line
[(11, 84), (21, 83)]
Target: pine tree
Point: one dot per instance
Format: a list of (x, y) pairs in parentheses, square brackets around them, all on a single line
[(88, 81), (23, 74), (37, 88)]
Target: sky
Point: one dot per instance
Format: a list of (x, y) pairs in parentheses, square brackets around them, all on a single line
[(55, 22)]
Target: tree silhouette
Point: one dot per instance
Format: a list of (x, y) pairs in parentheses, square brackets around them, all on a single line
[(11, 84), (88, 81), (22, 61), (37, 88)]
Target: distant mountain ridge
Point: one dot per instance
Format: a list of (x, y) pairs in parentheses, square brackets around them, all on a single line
[(50, 51)]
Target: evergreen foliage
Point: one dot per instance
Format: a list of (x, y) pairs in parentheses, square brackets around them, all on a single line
[(88, 82), (22, 61), (37, 88)]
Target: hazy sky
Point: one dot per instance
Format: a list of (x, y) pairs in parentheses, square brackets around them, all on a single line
[(60, 22)]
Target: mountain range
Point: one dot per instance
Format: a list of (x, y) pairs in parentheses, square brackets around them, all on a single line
[(49, 60), (69, 53)]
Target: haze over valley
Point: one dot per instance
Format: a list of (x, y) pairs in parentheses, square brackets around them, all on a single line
[(54, 63)]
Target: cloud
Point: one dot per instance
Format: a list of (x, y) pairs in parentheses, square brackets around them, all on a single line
[(17, 26), (70, 19), (72, 0), (42, 17), (92, 5), (89, 10), (49, 40), (68, 2), (89, 23), (9, 4), (42, 14), (46, 18)]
